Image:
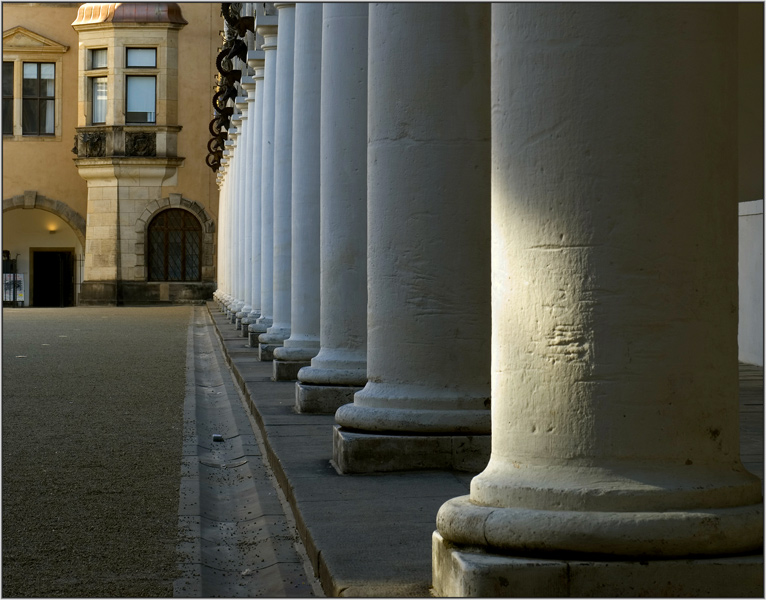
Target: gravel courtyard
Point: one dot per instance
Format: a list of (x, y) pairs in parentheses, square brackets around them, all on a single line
[(91, 441)]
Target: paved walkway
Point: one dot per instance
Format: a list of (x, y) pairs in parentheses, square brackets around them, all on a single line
[(92, 401), (370, 535)]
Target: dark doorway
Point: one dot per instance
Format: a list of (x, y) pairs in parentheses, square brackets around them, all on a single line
[(52, 278)]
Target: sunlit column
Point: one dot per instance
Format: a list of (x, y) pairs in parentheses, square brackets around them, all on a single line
[(428, 321), (340, 368), (266, 26), (255, 59), (227, 168), (245, 231), (614, 291), (235, 217), (283, 153), (303, 343)]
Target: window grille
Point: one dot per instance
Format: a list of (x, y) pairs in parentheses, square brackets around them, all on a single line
[(174, 246)]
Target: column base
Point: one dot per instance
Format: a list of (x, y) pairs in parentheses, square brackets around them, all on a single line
[(471, 572), (238, 323), (252, 338), (322, 399), (355, 452), (244, 329), (287, 370), (266, 351)]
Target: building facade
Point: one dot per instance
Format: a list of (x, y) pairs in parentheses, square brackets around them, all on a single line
[(106, 197)]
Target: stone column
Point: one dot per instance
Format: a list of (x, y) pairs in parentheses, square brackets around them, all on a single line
[(303, 343), (234, 218), (340, 368), (239, 221), (267, 27), (227, 166), (221, 240), (283, 154), (614, 293), (428, 315), (245, 231), (255, 98)]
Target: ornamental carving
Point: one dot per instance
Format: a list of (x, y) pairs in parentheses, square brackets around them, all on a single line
[(140, 144), (92, 144)]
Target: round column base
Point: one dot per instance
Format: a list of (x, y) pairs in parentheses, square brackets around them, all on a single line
[(660, 534), (322, 399), (333, 377), (275, 335)]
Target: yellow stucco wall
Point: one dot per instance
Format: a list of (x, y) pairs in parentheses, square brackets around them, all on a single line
[(41, 163), (197, 49)]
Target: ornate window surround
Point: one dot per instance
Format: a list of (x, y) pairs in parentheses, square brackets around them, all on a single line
[(21, 45)]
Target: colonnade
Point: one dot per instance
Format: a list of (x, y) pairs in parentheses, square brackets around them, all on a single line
[(533, 203)]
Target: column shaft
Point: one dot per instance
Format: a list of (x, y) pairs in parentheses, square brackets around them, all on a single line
[(428, 322), (283, 152), (267, 27), (614, 291), (340, 367), (303, 343)]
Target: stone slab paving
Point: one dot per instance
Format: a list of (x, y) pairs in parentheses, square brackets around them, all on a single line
[(235, 538), (370, 535)]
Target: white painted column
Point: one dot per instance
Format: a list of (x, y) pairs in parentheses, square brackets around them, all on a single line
[(340, 368), (239, 222), (220, 293), (615, 425), (235, 217), (267, 27), (227, 165), (303, 343), (246, 140), (283, 155), (428, 316), (255, 59)]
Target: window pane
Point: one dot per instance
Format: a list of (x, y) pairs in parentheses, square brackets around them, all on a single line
[(46, 116), (156, 254), (7, 116), (142, 57), (98, 58), (140, 100), (47, 79), (175, 252), (30, 124), (7, 79), (192, 256), (8, 98), (30, 84), (99, 99)]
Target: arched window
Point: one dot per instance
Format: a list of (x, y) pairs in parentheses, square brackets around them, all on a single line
[(175, 244)]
